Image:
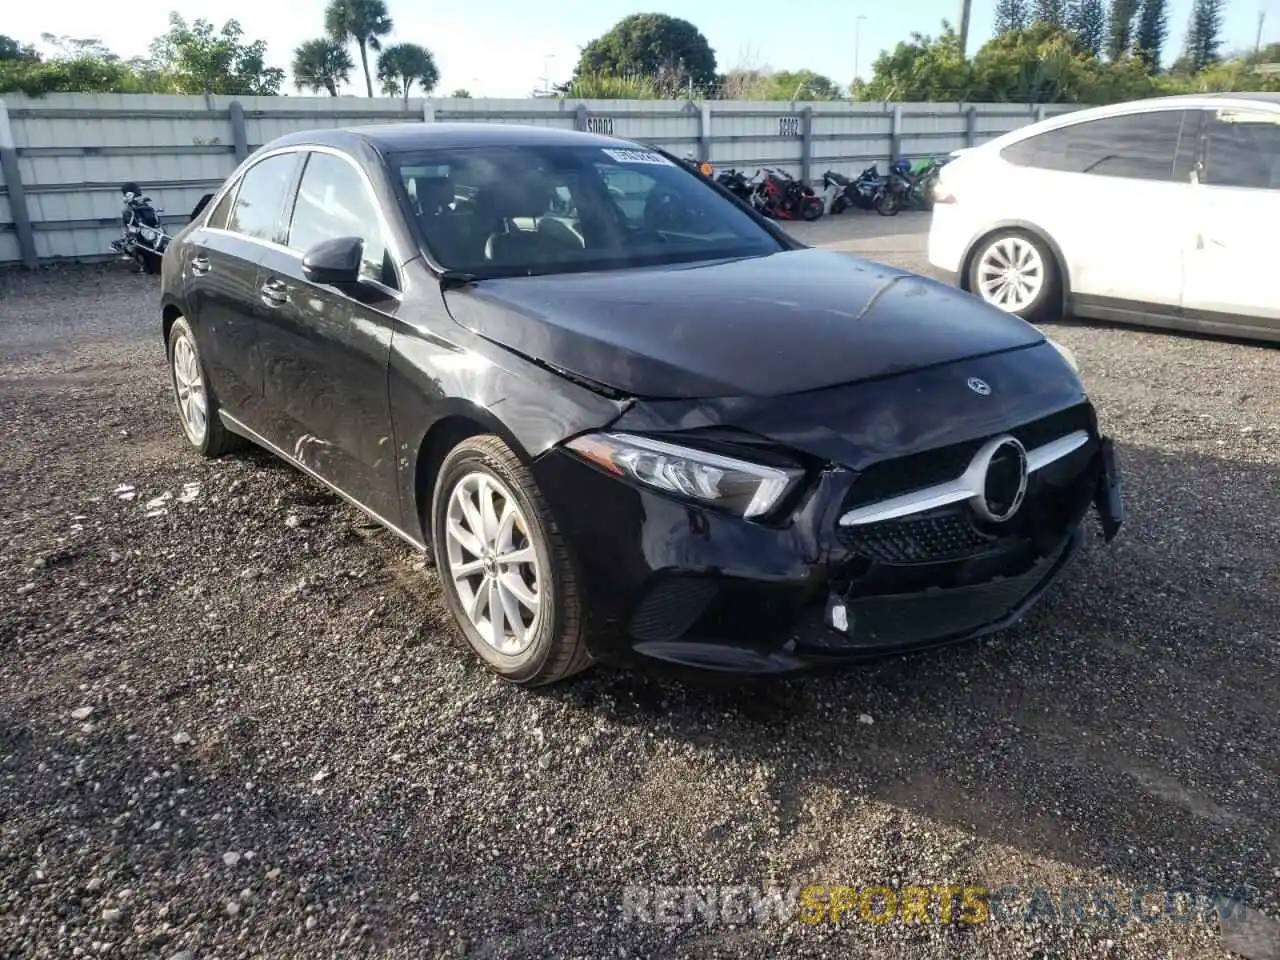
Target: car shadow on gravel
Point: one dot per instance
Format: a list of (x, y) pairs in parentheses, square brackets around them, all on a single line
[(1126, 725)]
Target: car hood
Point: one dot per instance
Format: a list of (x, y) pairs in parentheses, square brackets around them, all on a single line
[(858, 424), (766, 326)]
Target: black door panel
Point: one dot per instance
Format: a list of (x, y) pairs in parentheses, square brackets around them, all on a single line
[(223, 269), (325, 379)]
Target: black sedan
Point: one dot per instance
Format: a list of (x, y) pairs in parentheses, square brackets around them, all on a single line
[(628, 416)]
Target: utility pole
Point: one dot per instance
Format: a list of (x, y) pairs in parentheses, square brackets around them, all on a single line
[(546, 73), (1257, 43), (965, 6)]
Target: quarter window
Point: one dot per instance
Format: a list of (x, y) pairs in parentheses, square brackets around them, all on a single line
[(334, 201), (1242, 149), (260, 199), (1138, 146), (218, 218)]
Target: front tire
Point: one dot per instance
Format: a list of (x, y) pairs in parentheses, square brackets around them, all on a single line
[(1015, 272), (888, 204), (197, 406), (508, 578)]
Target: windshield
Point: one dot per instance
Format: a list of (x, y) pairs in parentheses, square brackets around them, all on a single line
[(512, 210)]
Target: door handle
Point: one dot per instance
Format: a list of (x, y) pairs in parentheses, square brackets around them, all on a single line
[(274, 293), (200, 266)]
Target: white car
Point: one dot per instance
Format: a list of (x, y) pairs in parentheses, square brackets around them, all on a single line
[(1162, 211)]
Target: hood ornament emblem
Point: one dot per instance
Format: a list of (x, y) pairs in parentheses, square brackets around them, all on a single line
[(980, 387)]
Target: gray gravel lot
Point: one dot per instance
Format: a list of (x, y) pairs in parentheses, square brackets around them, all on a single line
[(243, 727)]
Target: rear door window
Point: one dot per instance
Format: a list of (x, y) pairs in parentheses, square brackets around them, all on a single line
[(1140, 146), (260, 200), (1242, 149)]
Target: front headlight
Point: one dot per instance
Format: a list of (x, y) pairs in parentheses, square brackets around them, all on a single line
[(1066, 353), (727, 483)]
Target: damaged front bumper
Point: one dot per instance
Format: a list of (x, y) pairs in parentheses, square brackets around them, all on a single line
[(669, 581)]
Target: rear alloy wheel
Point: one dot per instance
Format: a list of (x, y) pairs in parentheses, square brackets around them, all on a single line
[(505, 569), (197, 406), (1015, 273)]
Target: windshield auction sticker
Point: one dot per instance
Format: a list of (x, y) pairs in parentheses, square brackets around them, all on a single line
[(638, 156)]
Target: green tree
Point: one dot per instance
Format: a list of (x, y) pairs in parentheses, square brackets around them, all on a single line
[(38, 77), (650, 43), (1040, 64), (362, 22), (11, 49), (1010, 15), (402, 65), (461, 94), (197, 58), (1088, 19), (1152, 31), (321, 64), (802, 85), (78, 48), (926, 68), (1120, 29), (1204, 35), (1052, 12)]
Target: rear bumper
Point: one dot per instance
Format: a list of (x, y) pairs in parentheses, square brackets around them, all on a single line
[(667, 581), (948, 242)]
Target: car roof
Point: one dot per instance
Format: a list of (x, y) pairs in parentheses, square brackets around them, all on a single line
[(390, 138), (1208, 101)]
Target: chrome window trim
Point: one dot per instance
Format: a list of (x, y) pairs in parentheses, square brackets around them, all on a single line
[(967, 486)]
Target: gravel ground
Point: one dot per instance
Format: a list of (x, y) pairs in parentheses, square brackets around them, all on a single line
[(236, 722)]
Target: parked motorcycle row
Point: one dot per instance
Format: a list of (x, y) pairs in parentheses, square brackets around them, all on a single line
[(775, 193)]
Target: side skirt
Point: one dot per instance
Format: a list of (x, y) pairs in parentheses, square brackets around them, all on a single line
[(237, 427)]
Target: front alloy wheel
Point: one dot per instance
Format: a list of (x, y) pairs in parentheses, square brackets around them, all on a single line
[(507, 575), (492, 562)]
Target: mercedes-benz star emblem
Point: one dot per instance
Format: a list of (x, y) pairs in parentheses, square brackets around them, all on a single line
[(1001, 468), (980, 387)]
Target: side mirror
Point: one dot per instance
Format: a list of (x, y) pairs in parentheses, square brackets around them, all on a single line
[(334, 262)]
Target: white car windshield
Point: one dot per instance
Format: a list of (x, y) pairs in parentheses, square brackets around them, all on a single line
[(510, 211)]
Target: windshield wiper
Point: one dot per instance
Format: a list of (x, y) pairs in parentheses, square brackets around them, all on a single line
[(452, 279)]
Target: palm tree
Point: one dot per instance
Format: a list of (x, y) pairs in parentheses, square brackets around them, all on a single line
[(321, 65), (404, 64), (364, 22)]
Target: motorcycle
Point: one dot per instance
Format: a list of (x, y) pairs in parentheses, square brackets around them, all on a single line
[(696, 165), (870, 191), (143, 239), (834, 186), (737, 183), (913, 183), (783, 197)]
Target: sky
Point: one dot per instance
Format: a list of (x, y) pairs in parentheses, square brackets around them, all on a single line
[(506, 48)]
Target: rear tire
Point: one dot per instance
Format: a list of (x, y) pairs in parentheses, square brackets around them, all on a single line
[(888, 204), (505, 558), (1015, 271), (195, 400)]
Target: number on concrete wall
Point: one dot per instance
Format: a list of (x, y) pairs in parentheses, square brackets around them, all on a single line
[(788, 126), (600, 125)]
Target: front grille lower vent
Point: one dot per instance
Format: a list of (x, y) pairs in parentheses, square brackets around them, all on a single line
[(921, 539)]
